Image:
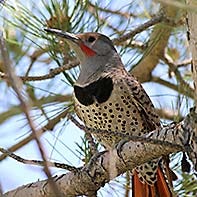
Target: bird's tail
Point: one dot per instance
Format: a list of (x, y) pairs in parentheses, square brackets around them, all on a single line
[(159, 189)]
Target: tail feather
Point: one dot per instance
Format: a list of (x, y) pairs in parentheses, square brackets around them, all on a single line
[(159, 189), (139, 189), (163, 188)]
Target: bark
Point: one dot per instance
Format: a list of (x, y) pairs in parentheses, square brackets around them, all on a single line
[(192, 38), (107, 165)]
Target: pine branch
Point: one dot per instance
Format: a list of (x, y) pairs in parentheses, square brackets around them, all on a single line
[(48, 127), (114, 12), (89, 137), (16, 84), (52, 73), (182, 83), (37, 103), (131, 34), (173, 86), (107, 165)]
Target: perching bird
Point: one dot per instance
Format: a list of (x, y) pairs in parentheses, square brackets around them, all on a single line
[(108, 98)]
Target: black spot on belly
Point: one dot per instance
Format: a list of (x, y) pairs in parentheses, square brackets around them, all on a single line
[(99, 90)]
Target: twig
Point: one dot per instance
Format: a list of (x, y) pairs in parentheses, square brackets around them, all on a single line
[(133, 44), (128, 184), (172, 86), (17, 86), (90, 139), (116, 41), (139, 29), (99, 170), (52, 73), (36, 54), (39, 163), (117, 12), (183, 63), (184, 85), (49, 126), (125, 136)]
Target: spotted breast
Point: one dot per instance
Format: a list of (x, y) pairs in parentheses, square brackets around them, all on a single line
[(115, 103)]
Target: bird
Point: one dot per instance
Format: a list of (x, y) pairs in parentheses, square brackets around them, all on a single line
[(107, 97)]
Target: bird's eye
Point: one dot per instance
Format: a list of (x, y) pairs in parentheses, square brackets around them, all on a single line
[(91, 39)]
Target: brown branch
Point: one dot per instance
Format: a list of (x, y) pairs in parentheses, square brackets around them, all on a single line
[(142, 27), (182, 83), (183, 63), (133, 44), (38, 162), (116, 12), (169, 114), (181, 4), (192, 38), (157, 42), (89, 137), (172, 86), (107, 165), (16, 84), (34, 57), (52, 73)]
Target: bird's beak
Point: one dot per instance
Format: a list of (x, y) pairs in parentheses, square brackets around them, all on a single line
[(75, 43), (68, 36)]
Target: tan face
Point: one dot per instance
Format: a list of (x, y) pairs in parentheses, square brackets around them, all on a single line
[(87, 44), (98, 44), (95, 52)]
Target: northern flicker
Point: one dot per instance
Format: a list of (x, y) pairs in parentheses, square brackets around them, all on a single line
[(108, 98)]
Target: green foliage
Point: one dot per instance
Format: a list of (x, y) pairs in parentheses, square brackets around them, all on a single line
[(84, 149), (187, 185)]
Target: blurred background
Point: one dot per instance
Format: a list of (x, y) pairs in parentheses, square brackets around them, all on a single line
[(159, 51)]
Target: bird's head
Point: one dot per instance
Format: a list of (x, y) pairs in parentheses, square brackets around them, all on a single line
[(95, 51), (86, 45)]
